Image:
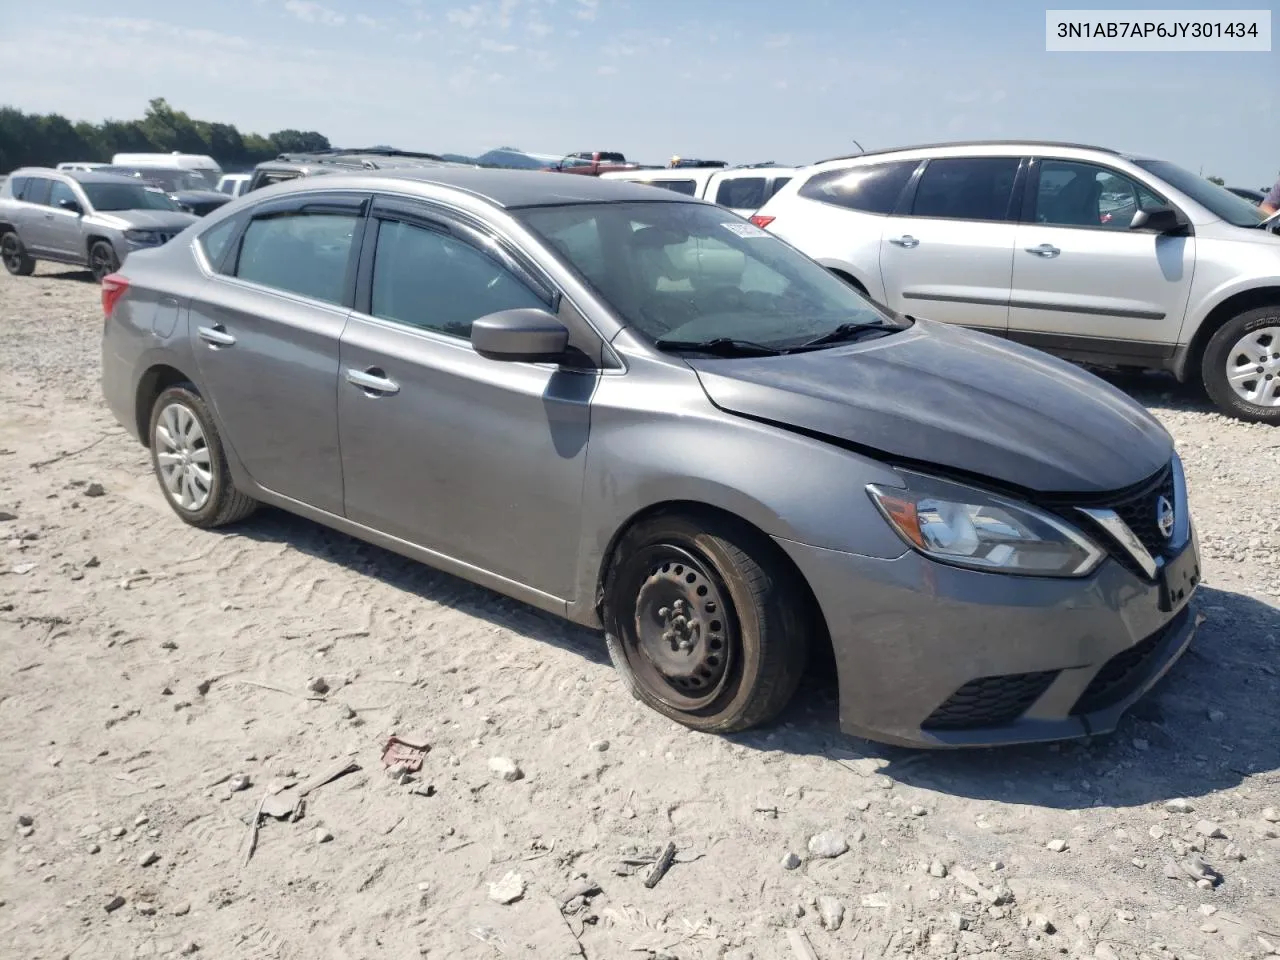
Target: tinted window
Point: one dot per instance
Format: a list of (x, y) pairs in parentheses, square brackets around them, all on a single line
[(687, 187), (742, 193), (871, 189), (1217, 200), (59, 193), (779, 184), (37, 190), (16, 186), (125, 196), (214, 241), (305, 253), (966, 188), (1074, 194), (429, 279)]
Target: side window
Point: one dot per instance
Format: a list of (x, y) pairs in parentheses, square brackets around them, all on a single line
[(16, 186), (213, 242), (304, 253), (1073, 194), (60, 193), (687, 187), (37, 190), (870, 189), (429, 279), (966, 188), (778, 184), (742, 193)]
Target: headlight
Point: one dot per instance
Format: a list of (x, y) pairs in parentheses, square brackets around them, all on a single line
[(143, 238), (971, 528)]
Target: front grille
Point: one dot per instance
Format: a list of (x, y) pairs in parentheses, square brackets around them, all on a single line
[(1123, 672), (990, 701)]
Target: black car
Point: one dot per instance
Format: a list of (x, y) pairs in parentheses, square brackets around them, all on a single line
[(187, 189)]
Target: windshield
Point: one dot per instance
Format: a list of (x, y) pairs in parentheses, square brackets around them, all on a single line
[(105, 197), (168, 180), (694, 272), (1219, 201)]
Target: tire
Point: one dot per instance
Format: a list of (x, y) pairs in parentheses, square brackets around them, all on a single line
[(1250, 336), (16, 259), (102, 259), (747, 631), (207, 498)]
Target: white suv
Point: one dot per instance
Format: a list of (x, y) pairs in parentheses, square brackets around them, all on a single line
[(1097, 256)]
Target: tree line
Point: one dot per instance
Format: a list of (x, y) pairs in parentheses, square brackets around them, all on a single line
[(44, 140)]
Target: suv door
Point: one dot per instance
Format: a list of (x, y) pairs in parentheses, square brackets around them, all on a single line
[(947, 252), (265, 332), (476, 460), (1086, 285), (64, 236), (33, 215)]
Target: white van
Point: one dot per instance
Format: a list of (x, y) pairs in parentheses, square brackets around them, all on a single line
[(81, 165), (199, 163), (743, 190)]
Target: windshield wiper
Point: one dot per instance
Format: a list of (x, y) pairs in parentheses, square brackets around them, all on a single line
[(845, 333), (721, 346)]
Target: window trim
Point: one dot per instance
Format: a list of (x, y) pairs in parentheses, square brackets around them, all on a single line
[(1028, 212), (906, 191), (906, 202)]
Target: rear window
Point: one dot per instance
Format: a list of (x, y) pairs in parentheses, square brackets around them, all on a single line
[(869, 189), (303, 253), (36, 190), (687, 187), (742, 193), (15, 185)]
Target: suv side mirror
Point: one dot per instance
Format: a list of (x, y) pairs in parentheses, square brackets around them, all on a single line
[(528, 335), (1158, 220), (71, 205)]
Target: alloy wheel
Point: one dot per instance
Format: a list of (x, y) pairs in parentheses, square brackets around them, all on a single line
[(182, 456), (1253, 367)]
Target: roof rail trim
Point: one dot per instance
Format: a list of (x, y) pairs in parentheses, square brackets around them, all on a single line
[(975, 143)]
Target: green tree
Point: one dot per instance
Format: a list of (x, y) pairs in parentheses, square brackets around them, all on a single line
[(1218, 180)]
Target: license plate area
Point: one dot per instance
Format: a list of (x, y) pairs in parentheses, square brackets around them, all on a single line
[(1179, 579)]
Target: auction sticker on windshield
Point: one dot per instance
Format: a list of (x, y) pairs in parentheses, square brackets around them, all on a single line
[(744, 229)]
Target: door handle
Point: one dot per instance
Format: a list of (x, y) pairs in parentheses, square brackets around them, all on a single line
[(1044, 250), (906, 240), (373, 381), (216, 336)]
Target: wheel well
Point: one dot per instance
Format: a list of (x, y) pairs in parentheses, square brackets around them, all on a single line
[(821, 653), (154, 382), (94, 238), (1228, 308), (850, 278)]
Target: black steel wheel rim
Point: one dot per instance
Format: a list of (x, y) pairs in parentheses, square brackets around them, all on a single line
[(683, 631), (9, 249), (100, 262)]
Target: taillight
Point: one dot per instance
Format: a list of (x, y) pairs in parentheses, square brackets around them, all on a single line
[(114, 286), (762, 222)]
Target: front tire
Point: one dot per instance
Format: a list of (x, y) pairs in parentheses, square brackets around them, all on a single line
[(102, 260), (188, 459), (1241, 366), (705, 622), (16, 259)]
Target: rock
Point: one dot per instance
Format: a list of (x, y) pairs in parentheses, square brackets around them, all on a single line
[(1156, 832), (1179, 805), (347, 712), (26, 831), (828, 845), (1233, 853), (1126, 916), (1208, 928), (1216, 716), (95, 848), (1271, 815), (791, 861), (1208, 909), (1207, 828), (191, 947), (876, 901), (1083, 922), (6, 516), (145, 908), (1103, 952), (1057, 846), (937, 869), (182, 909), (1043, 923), (94, 490), (141, 820), (114, 904), (318, 685), (118, 832), (505, 769), (239, 782), (321, 835), (831, 912), (23, 568), (918, 811), (26, 820), (1200, 871), (148, 858), (507, 890), (862, 805), (1141, 745), (600, 746), (958, 920)]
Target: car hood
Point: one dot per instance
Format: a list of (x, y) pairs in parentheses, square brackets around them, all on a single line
[(942, 395), (174, 220)]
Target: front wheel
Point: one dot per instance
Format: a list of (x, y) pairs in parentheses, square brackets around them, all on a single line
[(1241, 366), (16, 259), (102, 260), (705, 622)]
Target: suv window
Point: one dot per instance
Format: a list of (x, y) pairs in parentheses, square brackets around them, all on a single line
[(966, 188), (1074, 194), (742, 192), (688, 187), (15, 186), (37, 190), (778, 184), (870, 189), (428, 279), (60, 192), (299, 252)]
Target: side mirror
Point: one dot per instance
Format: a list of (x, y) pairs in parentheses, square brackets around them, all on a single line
[(1158, 220), (71, 205), (527, 335)]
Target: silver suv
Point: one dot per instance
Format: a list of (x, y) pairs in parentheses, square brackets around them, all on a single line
[(82, 218), (1094, 255)]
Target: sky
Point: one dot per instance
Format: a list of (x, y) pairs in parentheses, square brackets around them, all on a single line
[(737, 80)]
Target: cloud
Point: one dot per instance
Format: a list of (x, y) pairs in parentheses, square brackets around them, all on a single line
[(311, 12), (505, 8), (365, 21), (777, 41), (467, 19), (587, 9), (538, 30), (606, 71), (493, 46)]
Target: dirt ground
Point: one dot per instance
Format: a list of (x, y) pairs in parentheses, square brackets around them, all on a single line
[(147, 668)]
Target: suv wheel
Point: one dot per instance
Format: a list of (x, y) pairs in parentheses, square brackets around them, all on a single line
[(16, 259), (705, 624), (186, 453), (102, 260), (1241, 366)]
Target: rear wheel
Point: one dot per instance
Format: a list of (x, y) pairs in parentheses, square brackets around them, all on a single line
[(1241, 366), (102, 260), (16, 259), (705, 623)]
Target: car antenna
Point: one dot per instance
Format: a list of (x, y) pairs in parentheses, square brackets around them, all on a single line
[(858, 145)]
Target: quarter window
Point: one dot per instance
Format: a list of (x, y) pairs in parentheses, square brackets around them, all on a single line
[(966, 188), (686, 187), (298, 252), (869, 189), (430, 279), (1072, 194), (742, 193)]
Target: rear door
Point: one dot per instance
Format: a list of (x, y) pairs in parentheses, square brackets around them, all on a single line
[(33, 215), (947, 252)]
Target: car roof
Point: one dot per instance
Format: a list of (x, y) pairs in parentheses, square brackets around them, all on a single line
[(980, 145), (80, 176)]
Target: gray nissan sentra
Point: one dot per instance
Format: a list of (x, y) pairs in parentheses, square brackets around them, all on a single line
[(640, 412)]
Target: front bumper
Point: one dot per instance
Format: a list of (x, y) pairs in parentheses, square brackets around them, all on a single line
[(930, 655)]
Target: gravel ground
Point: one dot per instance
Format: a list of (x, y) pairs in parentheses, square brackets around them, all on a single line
[(157, 682)]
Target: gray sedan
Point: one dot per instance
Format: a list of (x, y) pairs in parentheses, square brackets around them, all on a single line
[(640, 412)]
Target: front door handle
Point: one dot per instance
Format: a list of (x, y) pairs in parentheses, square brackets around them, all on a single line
[(906, 240), (216, 336), (373, 381), (1044, 250)]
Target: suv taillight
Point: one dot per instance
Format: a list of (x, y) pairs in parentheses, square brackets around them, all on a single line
[(114, 286), (762, 222)]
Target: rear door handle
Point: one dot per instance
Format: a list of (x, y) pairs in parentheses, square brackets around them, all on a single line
[(906, 240), (216, 336), (1044, 250), (373, 381)]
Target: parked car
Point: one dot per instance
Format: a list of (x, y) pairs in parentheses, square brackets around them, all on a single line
[(1253, 196), (546, 387), (84, 165), (234, 184), (187, 189), (88, 219), (742, 189), (1020, 239), (201, 164), (592, 163), (289, 166)]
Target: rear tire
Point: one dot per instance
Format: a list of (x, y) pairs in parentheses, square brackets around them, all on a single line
[(705, 623), (16, 259), (102, 259), (1249, 345)]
